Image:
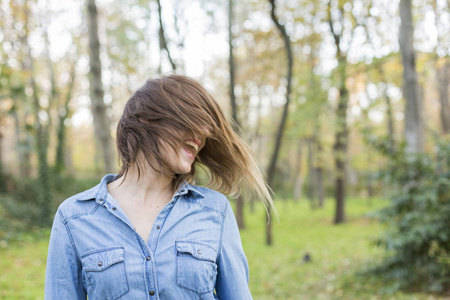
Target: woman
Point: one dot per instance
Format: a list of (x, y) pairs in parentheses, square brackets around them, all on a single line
[(148, 232)]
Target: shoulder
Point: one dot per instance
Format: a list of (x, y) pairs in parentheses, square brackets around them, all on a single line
[(80, 204), (209, 199)]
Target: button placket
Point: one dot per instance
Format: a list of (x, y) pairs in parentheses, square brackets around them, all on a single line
[(157, 225), (110, 206)]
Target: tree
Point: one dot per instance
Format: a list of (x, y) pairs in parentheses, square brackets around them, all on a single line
[(298, 178), (162, 37), (319, 98), (44, 195), (378, 64), (98, 107), (444, 79), (279, 135), (341, 138), (234, 109), (442, 65), (63, 114), (16, 78), (411, 89), (2, 172)]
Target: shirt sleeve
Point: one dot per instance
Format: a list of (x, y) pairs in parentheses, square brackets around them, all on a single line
[(232, 277), (63, 278)]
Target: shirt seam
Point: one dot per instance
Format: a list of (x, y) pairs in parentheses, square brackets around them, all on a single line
[(80, 214), (65, 222), (207, 208), (219, 251)]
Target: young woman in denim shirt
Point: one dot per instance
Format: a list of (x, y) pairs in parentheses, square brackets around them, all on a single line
[(148, 232)]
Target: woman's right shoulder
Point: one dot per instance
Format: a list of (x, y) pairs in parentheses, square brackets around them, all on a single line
[(80, 204)]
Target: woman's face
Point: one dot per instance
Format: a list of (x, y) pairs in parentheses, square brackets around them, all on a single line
[(181, 163)]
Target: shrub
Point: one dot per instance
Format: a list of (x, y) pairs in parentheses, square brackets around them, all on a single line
[(20, 212), (417, 236)]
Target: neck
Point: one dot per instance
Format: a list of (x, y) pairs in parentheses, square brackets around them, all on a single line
[(147, 188)]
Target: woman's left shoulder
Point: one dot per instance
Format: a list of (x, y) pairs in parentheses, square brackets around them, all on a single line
[(210, 199)]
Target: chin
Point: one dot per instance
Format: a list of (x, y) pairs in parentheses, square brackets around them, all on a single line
[(184, 170)]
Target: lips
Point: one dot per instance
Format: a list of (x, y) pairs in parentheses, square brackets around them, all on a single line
[(189, 153), (191, 147)]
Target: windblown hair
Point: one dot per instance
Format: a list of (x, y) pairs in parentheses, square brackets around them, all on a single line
[(169, 108)]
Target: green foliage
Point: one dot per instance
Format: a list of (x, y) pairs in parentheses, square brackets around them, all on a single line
[(20, 212), (417, 237)]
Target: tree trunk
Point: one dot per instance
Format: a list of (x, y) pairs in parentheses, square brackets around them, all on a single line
[(443, 97), (98, 107), (178, 15), (44, 198), (390, 117), (442, 71), (2, 175), (411, 89), (234, 110), (68, 162), (320, 191), (44, 195), (318, 166), (341, 135), (22, 144), (162, 37), (61, 131), (340, 146), (311, 175), (297, 192), (279, 136), (54, 92), (314, 84)]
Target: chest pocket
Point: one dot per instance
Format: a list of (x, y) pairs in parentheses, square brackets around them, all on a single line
[(196, 268), (105, 274)]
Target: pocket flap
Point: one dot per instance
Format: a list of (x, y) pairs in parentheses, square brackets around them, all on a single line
[(199, 251), (100, 260)]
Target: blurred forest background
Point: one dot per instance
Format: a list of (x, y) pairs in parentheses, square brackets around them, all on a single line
[(345, 104)]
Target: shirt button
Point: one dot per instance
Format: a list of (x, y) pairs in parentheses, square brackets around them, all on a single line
[(158, 227), (152, 293), (148, 257), (199, 251), (114, 208), (171, 202), (100, 264)]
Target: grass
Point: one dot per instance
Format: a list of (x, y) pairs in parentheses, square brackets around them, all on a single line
[(22, 267), (339, 253)]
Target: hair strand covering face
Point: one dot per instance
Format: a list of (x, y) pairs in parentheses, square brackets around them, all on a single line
[(168, 108)]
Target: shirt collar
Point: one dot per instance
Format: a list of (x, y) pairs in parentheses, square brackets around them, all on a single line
[(100, 191), (195, 190)]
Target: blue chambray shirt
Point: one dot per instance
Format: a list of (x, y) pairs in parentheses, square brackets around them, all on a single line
[(194, 250)]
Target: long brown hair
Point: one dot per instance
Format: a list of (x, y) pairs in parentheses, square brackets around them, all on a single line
[(168, 108)]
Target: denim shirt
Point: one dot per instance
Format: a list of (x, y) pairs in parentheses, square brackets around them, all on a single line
[(194, 250)]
